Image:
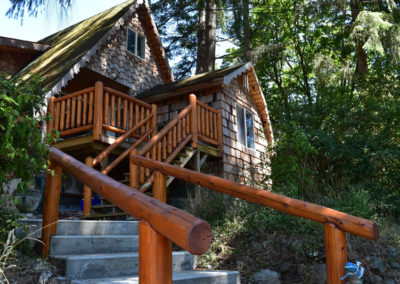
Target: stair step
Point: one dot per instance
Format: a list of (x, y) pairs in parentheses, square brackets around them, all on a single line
[(86, 227), (68, 245), (115, 265), (104, 215), (183, 277)]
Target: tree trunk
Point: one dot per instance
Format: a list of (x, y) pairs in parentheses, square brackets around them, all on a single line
[(206, 32), (361, 56), (246, 30)]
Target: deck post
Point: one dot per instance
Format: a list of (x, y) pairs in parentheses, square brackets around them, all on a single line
[(133, 171), (155, 250), (98, 111), (50, 206), (87, 192), (50, 122), (154, 127), (219, 132), (193, 118), (336, 252)]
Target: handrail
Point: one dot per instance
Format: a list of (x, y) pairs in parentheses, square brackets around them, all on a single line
[(336, 223), (354, 225), (125, 96), (184, 229), (119, 141), (175, 135), (165, 130), (80, 92)]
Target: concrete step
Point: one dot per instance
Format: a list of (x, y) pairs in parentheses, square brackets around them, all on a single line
[(183, 277), (115, 265), (68, 245), (86, 227)]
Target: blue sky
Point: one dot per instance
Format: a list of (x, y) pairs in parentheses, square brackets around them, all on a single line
[(49, 22), (45, 24)]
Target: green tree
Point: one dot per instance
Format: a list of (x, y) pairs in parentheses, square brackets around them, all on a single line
[(22, 152)]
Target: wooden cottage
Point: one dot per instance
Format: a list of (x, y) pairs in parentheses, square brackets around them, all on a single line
[(111, 93)]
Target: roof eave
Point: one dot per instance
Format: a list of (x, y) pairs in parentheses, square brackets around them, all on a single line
[(22, 44)]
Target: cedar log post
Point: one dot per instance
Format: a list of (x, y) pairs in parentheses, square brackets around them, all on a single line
[(87, 192), (98, 111), (50, 122), (193, 120), (336, 253), (50, 206), (133, 172), (155, 250), (219, 133)]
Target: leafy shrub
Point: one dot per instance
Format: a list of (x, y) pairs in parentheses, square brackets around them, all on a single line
[(22, 152)]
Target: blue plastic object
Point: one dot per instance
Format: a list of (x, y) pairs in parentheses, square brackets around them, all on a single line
[(354, 269), (95, 201)]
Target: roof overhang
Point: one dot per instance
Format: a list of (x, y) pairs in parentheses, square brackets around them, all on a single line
[(22, 45), (226, 78)]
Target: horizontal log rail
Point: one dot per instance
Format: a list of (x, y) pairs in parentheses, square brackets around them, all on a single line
[(182, 228), (336, 223), (160, 224)]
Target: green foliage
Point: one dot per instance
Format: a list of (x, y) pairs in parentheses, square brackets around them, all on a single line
[(22, 152)]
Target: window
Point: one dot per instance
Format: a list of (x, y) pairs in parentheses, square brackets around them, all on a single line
[(136, 44), (245, 123)]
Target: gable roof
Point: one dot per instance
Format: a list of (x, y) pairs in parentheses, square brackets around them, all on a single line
[(70, 48), (211, 79)]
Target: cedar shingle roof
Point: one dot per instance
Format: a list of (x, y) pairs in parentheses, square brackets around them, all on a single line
[(199, 78), (67, 47)]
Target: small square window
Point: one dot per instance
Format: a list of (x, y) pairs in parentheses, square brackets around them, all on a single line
[(245, 122), (136, 44)]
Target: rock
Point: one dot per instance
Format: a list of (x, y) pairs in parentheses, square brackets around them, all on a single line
[(319, 273), (266, 276), (301, 269), (376, 279), (395, 265), (389, 281), (392, 251), (285, 267), (44, 277), (377, 264)]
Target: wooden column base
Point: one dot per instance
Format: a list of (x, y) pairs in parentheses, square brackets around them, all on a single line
[(336, 253), (155, 256)]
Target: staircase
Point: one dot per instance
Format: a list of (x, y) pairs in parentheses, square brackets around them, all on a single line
[(107, 252)]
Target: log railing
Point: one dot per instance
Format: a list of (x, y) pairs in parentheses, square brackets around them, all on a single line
[(122, 112), (99, 109), (164, 146), (159, 223), (209, 124), (73, 113), (336, 223)]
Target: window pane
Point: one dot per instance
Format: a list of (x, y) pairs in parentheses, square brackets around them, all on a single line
[(241, 126), (130, 42), (250, 129), (140, 44)]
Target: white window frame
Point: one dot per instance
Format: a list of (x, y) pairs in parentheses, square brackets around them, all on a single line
[(137, 34), (245, 111)]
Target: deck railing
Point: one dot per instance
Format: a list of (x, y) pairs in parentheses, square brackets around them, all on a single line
[(99, 109), (72, 113), (336, 223), (159, 223)]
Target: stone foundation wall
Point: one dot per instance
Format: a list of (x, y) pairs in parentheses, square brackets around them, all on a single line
[(115, 62)]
